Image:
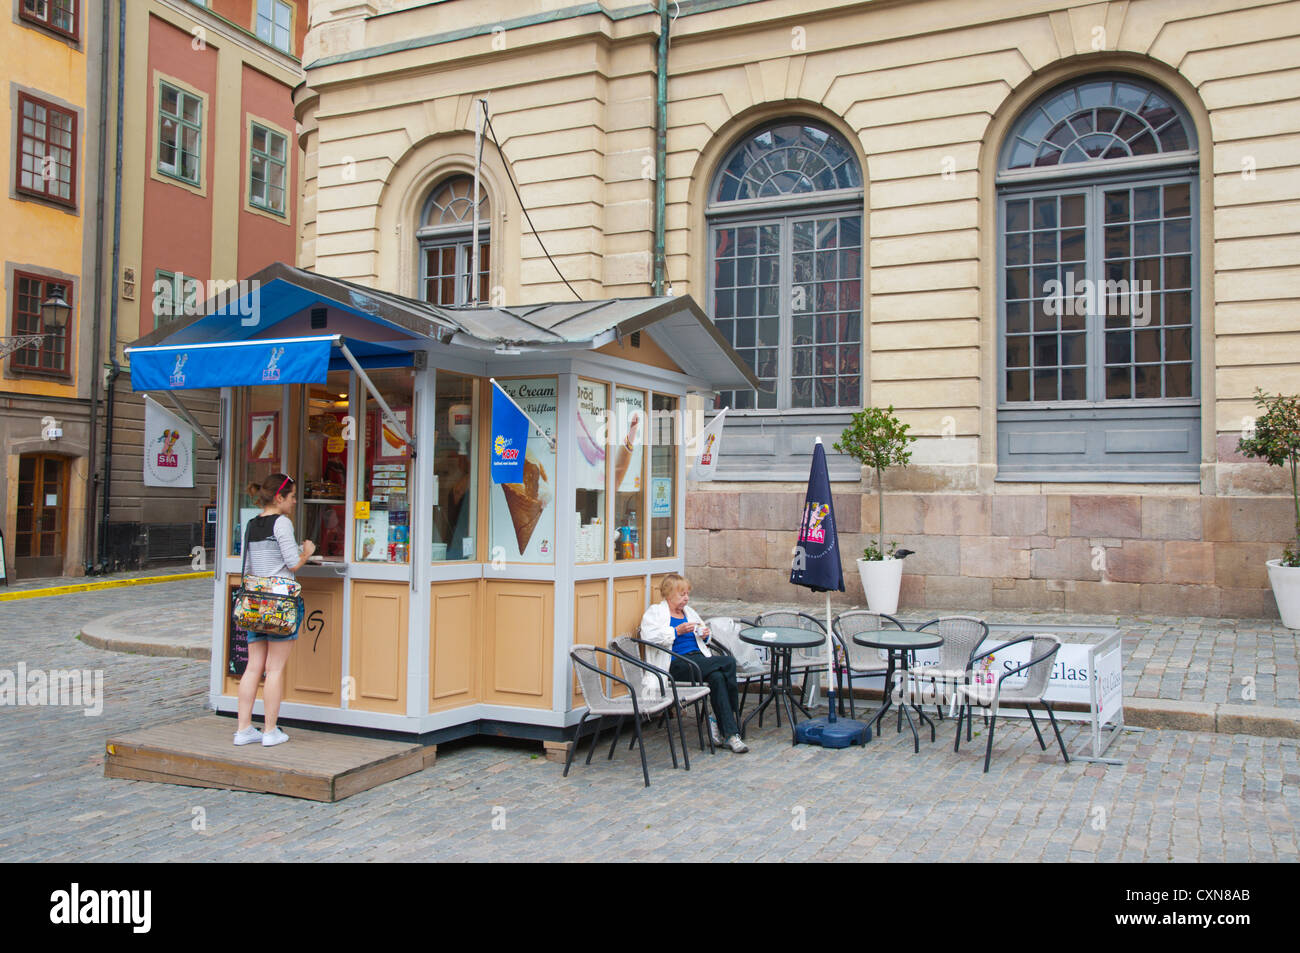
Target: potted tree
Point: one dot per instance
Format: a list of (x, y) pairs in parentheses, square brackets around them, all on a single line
[(877, 439), (1275, 439)]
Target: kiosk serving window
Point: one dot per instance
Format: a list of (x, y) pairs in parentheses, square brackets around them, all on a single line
[(629, 473), (663, 471), (590, 471), (259, 419), (455, 475), (523, 514), (383, 513), (323, 465)]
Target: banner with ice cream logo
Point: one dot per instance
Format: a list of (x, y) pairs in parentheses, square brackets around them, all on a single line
[(523, 508), (168, 448)]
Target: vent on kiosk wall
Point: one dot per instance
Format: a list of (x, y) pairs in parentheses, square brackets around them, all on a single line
[(318, 318), (636, 338)]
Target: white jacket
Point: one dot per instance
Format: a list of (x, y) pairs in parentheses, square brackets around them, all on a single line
[(657, 627)]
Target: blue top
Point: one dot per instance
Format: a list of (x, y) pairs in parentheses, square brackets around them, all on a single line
[(685, 642)]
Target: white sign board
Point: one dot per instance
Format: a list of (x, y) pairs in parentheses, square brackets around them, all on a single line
[(1069, 680)]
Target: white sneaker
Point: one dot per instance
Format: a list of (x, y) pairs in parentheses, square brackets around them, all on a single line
[(714, 734), (274, 737), (733, 742), (248, 736)]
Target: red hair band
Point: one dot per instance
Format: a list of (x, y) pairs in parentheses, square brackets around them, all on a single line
[(287, 480)]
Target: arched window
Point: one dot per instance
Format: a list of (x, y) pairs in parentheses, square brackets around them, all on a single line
[(444, 234), (785, 266), (1097, 290)]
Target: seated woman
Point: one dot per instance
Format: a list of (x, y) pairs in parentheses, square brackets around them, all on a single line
[(679, 628)]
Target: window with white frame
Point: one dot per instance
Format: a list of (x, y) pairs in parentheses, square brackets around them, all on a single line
[(445, 237), (174, 295), (1097, 286), (275, 24), (267, 165), (180, 133)]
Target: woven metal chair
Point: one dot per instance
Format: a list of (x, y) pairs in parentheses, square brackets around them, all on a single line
[(807, 662), (745, 674), (962, 637), (591, 682), (694, 692), (990, 696), (859, 661)]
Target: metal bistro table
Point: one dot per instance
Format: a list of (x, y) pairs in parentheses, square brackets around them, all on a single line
[(899, 645), (786, 640)]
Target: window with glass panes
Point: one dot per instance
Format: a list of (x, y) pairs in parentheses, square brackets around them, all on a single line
[(50, 354), (174, 294), (445, 238), (275, 23), (1097, 275), (47, 150), (266, 169), (180, 133), (786, 267), (58, 15)]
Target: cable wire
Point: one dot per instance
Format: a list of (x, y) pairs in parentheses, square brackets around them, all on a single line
[(509, 175)]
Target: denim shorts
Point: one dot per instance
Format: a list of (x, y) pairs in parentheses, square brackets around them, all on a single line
[(263, 637)]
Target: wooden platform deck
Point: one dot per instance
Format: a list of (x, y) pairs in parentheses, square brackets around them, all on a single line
[(317, 765)]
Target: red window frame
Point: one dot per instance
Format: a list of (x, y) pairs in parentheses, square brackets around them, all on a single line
[(46, 21), (44, 193), (29, 322)]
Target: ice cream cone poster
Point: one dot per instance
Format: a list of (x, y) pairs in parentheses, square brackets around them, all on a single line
[(593, 402), (523, 513), (168, 449), (629, 439)]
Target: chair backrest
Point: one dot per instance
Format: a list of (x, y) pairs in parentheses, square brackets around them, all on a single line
[(962, 636), (1037, 675), (798, 620), (856, 622), (590, 682), (624, 646), (725, 632)]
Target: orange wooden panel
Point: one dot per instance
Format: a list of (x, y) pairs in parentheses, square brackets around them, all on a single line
[(378, 656), (454, 616), (518, 642), (648, 353), (629, 605), (588, 620), (315, 665)]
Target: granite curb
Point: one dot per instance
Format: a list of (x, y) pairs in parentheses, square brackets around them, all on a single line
[(114, 633)]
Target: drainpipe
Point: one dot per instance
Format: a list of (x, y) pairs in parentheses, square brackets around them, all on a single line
[(115, 368), (92, 491), (661, 146)]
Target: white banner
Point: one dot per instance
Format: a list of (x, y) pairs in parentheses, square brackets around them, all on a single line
[(1068, 682), (709, 443), (168, 448)]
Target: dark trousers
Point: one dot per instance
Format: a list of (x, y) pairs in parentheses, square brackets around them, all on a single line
[(719, 672)]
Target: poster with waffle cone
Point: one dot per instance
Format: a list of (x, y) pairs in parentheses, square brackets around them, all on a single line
[(523, 514)]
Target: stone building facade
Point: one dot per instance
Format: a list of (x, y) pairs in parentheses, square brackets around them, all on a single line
[(872, 201)]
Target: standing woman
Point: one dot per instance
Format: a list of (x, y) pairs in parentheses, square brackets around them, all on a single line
[(271, 552)]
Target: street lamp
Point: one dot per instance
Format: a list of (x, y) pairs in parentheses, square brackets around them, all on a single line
[(54, 313)]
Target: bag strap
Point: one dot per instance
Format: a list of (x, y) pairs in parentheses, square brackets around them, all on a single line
[(243, 570)]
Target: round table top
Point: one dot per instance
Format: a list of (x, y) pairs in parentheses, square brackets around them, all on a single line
[(899, 639), (787, 636)]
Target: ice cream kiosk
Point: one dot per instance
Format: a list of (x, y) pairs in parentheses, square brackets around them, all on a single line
[(440, 604)]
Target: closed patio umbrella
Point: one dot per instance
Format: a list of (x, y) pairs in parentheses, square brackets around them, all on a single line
[(817, 566)]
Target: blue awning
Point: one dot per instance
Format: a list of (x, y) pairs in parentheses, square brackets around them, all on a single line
[(304, 360)]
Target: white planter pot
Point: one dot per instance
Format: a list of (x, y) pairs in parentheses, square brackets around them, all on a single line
[(1285, 581), (881, 579)]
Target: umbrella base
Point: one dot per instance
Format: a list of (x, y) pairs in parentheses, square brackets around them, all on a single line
[(832, 734)]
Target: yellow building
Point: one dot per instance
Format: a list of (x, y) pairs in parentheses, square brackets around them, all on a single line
[(1059, 238), (49, 65)]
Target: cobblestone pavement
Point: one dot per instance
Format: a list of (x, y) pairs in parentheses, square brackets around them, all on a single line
[(1187, 659), (1178, 796)]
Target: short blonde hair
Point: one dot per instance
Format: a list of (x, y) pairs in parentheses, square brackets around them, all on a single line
[(672, 583)]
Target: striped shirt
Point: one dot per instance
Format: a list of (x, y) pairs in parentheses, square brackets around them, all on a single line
[(271, 546)]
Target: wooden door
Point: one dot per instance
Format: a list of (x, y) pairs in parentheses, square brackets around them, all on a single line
[(42, 520)]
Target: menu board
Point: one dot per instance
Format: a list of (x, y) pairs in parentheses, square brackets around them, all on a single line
[(523, 514)]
